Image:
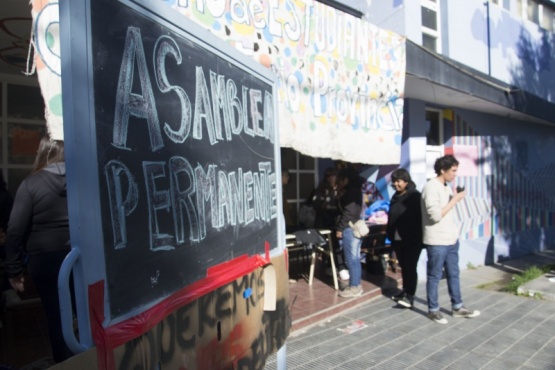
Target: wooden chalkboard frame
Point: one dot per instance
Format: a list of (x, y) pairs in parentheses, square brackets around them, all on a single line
[(81, 125)]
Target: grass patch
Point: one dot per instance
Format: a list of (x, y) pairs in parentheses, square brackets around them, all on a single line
[(525, 276), (487, 286)]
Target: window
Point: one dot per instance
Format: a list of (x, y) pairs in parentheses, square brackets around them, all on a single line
[(429, 42), (21, 128), (547, 18), (429, 18), (434, 139), (506, 4), (434, 132), (303, 178), (520, 8), (537, 12), (430, 25), (533, 12)]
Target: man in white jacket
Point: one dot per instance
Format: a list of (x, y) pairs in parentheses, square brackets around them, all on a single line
[(441, 238)]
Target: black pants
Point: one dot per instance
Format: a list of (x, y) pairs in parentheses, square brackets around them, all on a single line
[(408, 255), (44, 269)]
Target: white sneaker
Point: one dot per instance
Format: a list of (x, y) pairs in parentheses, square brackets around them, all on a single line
[(465, 312), (436, 316), (351, 292), (344, 274)]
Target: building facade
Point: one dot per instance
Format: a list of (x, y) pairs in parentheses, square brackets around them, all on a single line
[(480, 85)]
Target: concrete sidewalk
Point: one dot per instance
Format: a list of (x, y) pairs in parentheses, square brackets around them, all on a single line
[(512, 332)]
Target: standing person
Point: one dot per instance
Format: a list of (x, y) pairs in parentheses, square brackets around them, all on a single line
[(39, 229), (9, 295), (289, 225), (441, 239), (324, 201), (404, 229), (350, 206)]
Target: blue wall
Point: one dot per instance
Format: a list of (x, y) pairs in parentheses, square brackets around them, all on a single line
[(520, 52)]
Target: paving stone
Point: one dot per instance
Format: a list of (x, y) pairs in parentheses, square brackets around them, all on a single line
[(512, 332)]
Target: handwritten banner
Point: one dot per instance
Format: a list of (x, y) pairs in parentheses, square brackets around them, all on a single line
[(341, 79), (186, 156)]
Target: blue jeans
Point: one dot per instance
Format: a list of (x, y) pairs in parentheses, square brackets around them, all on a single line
[(351, 249), (439, 257)]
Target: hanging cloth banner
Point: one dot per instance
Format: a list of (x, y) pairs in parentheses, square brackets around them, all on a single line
[(341, 79), (46, 43)]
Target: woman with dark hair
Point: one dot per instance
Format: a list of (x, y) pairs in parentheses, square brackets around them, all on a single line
[(324, 200), (39, 229), (404, 229)]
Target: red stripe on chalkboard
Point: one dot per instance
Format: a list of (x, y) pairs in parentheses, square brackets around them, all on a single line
[(222, 267), (217, 276)]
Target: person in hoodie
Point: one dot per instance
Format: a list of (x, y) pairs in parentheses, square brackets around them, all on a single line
[(350, 206), (404, 230), (38, 229)]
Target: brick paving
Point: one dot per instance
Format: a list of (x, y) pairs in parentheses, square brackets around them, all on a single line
[(512, 332)]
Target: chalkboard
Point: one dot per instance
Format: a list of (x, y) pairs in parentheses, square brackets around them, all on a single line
[(186, 156)]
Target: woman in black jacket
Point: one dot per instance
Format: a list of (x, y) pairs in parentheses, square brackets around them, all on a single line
[(39, 229), (404, 230)]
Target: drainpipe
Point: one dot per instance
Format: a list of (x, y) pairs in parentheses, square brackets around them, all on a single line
[(486, 3)]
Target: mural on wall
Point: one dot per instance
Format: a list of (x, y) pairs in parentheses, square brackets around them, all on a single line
[(473, 153), (341, 79), (503, 196), (495, 172)]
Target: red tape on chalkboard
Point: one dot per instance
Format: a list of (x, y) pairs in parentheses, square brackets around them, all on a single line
[(96, 311), (107, 339)]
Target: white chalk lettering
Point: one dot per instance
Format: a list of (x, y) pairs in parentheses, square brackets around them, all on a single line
[(204, 183), (167, 46), (115, 172), (219, 109), (182, 174), (256, 99), (237, 195), (203, 109), (156, 200), (248, 197), (220, 103), (268, 116), (224, 201), (128, 103), (192, 197), (235, 105), (186, 202)]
